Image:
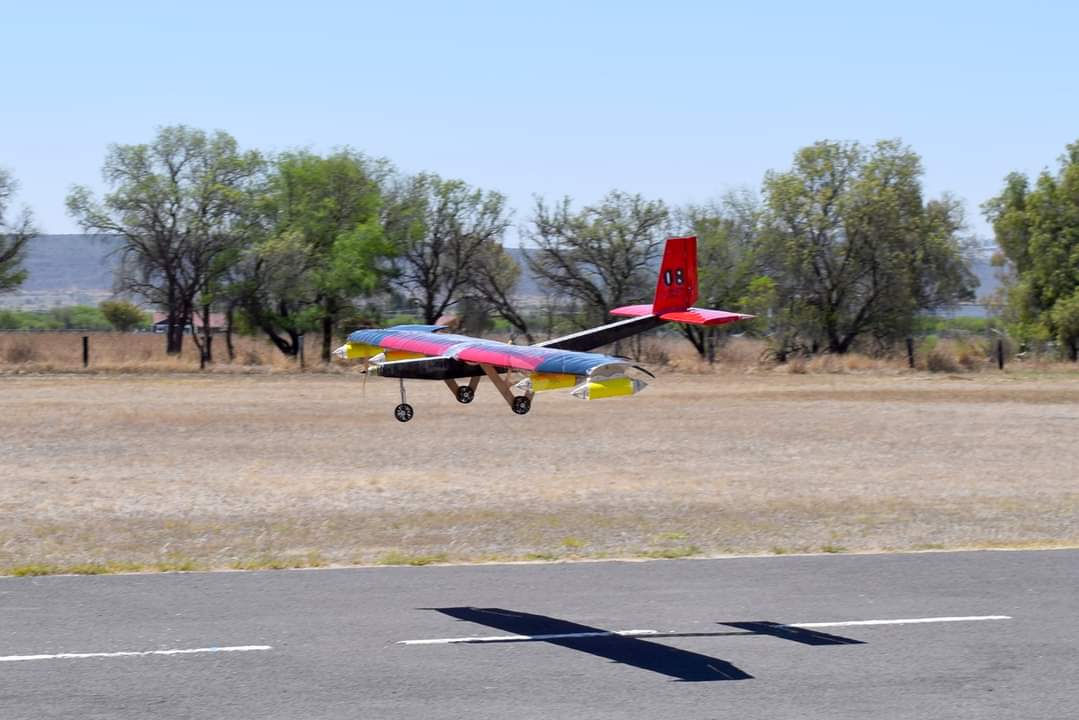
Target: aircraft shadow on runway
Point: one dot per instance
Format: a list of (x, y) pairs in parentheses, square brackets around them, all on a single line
[(655, 657)]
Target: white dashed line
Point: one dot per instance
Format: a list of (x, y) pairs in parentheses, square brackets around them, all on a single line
[(906, 621), (134, 653)]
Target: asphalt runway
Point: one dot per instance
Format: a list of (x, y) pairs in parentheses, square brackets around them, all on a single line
[(934, 635)]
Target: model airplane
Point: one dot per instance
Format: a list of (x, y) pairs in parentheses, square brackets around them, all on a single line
[(424, 352)]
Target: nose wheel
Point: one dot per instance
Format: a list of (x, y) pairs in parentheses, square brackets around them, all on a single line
[(404, 411), (465, 394)]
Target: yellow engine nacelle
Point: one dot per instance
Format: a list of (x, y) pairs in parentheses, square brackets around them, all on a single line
[(392, 355), (539, 382), (608, 387), (357, 351)]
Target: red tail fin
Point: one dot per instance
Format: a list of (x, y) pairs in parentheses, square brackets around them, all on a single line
[(677, 286), (677, 290)]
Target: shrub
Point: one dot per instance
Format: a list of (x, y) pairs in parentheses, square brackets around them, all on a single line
[(20, 351), (123, 315), (939, 359)]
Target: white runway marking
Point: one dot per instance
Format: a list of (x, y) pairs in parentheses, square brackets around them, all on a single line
[(657, 633), (907, 621), (134, 653)]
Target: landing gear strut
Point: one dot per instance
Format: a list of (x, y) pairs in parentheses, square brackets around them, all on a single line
[(520, 404), (404, 411), (464, 393)]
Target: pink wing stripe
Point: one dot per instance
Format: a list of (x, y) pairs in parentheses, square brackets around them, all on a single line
[(504, 358), (428, 345)]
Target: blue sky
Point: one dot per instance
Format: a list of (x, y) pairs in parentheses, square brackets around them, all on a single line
[(678, 100)]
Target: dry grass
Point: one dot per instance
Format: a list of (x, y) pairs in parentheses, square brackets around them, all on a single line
[(174, 471), (22, 353), (41, 352)]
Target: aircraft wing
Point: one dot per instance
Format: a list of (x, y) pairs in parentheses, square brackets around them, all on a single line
[(411, 346)]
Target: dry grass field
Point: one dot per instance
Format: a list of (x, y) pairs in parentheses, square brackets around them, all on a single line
[(131, 352), (113, 471)]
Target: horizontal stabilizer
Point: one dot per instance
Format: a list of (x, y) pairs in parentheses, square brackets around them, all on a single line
[(691, 316)]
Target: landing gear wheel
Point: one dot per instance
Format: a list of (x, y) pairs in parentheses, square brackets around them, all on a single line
[(465, 394), (403, 412), (522, 404)]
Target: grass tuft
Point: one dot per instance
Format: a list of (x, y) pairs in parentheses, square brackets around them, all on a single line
[(279, 562), (395, 557), (672, 553)]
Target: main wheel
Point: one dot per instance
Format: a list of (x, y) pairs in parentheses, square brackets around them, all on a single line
[(522, 404), (465, 394), (403, 412)]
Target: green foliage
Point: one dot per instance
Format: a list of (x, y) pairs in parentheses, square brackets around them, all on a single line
[(322, 245), (74, 317), (728, 237), (1037, 229), (124, 316), (1065, 319), (854, 248)]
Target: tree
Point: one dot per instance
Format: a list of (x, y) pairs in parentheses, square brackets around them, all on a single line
[(1065, 319), (15, 234), (1037, 230), (124, 316), (728, 235), (324, 244), (176, 206), (603, 256), (494, 277), (855, 250), (439, 228)]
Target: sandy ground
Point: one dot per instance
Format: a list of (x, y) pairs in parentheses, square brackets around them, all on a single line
[(229, 470)]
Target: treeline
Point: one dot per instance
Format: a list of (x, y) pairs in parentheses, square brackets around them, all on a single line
[(117, 315), (841, 250)]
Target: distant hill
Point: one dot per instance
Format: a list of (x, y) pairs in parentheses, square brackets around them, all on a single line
[(64, 270), (69, 262)]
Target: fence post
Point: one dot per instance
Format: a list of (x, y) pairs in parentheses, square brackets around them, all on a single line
[(86, 351), (1000, 353), (301, 342), (910, 353)]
